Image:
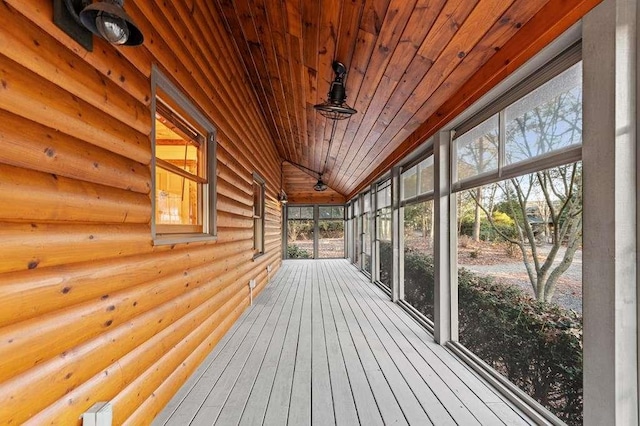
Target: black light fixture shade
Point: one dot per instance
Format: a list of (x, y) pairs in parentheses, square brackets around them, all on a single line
[(335, 107), (108, 20), (320, 186), (282, 197), (80, 19)]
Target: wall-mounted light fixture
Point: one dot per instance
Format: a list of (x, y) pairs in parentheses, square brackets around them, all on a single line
[(335, 107), (107, 19)]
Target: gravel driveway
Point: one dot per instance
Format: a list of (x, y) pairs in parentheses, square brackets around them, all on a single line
[(568, 289)]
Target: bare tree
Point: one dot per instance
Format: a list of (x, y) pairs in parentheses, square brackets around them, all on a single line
[(561, 188), (555, 124)]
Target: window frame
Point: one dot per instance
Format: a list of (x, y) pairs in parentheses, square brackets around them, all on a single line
[(259, 182), (159, 81)]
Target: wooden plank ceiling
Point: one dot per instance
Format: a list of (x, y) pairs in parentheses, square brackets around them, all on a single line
[(405, 59)]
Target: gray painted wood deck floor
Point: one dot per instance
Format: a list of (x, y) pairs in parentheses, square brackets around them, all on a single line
[(323, 346)]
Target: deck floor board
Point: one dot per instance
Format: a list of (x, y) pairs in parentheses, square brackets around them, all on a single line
[(322, 345)]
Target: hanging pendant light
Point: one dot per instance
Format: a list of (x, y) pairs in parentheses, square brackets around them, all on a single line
[(335, 107), (320, 186)]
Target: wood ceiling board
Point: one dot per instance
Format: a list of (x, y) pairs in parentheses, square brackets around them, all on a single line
[(496, 37), (554, 18), (452, 41), (413, 71), (270, 32), (299, 184), (405, 60), (233, 27), (407, 120), (266, 65)]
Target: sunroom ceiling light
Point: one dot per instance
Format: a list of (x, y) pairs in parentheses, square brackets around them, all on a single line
[(320, 186), (335, 107), (108, 20)]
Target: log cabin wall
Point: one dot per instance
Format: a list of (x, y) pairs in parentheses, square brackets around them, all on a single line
[(90, 310)]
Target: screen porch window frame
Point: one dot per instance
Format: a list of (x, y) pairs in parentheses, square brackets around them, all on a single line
[(259, 190), (172, 104)]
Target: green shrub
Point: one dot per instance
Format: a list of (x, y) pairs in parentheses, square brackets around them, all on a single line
[(535, 345), (418, 281), (386, 263), (502, 221), (295, 252)]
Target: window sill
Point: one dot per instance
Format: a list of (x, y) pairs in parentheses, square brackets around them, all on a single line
[(167, 239), (257, 256)]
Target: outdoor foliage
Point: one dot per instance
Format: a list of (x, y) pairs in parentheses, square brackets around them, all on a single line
[(502, 224), (295, 252), (418, 281), (536, 345), (386, 263)]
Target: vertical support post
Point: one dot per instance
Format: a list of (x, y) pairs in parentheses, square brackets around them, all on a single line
[(285, 231), (397, 282), (610, 275), (371, 217), (316, 230), (446, 283)]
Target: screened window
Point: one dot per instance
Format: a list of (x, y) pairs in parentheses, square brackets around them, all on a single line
[(258, 214), (546, 120), (330, 232), (417, 180), (543, 126), (300, 232), (184, 158), (477, 150)]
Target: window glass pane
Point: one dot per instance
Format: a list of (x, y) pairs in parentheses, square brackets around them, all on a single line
[(418, 257), (257, 200), (410, 183), (300, 234), (337, 212), (477, 150), (306, 212), (366, 243), (293, 212), (520, 283), (324, 212), (547, 119), (426, 175), (384, 194), (385, 254), (180, 170), (330, 238), (367, 202), (176, 199)]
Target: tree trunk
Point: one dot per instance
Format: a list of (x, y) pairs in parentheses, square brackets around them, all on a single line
[(476, 218)]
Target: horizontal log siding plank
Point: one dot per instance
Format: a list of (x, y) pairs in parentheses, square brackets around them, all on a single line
[(32, 146), (42, 54), (93, 309), (104, 59), (44, 197), (16, 401), (25, 93), (105, 311), (66, 285)]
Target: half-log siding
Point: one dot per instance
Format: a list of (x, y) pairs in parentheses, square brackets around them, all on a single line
[(90, 310)]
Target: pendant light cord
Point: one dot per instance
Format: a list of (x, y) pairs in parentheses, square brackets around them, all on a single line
[(333, 132)]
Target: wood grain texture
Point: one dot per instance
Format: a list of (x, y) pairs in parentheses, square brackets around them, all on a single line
[(90, 309), (405, 60)]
